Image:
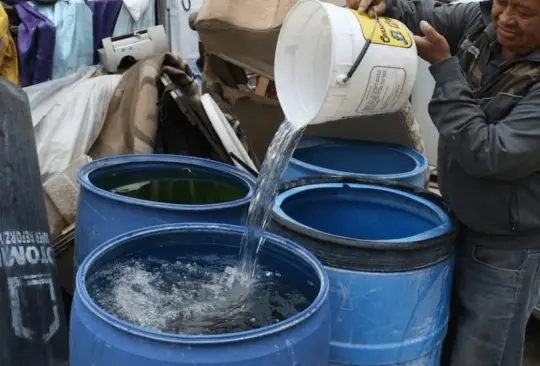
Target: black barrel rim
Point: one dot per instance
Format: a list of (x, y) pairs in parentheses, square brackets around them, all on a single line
[(366, 255)]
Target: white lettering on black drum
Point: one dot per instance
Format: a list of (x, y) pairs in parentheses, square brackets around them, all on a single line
[(20, 248)]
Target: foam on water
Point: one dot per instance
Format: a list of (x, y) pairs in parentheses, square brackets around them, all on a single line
[(275, 163), (195, 295)]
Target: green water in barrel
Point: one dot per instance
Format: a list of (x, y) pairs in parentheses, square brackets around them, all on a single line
[(185, 186)]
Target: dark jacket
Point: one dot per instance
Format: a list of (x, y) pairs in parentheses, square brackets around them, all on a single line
[(489, 146)]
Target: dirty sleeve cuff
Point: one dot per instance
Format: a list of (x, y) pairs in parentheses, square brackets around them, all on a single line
[(446, 70)]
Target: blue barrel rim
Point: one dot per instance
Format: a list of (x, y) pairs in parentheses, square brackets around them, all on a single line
[(421, 163), (444, 227), (155, 335), (83, 177), (368, 256)]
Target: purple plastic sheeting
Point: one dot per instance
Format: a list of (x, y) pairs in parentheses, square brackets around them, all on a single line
[(35, 42), (105, 13)]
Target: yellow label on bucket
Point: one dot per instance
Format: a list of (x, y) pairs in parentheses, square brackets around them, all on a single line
[(389, 32)]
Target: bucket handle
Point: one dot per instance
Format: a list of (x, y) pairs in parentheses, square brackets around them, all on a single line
[(342, 79)]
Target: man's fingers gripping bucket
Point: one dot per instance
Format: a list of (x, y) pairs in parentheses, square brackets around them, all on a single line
[(316, 50)]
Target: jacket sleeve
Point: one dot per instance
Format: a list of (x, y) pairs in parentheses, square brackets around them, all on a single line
[(508, 150), (450, 20)]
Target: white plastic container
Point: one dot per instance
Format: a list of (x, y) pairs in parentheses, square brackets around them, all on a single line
[(317, 46)]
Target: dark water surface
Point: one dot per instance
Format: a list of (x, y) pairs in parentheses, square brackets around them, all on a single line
[(178, 186)]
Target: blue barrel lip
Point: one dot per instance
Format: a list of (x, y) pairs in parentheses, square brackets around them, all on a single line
[(284, 243), (365, 255), (445, 227), (85, 171), (421, 163)]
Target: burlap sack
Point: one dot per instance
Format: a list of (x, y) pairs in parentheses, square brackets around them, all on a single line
[(244, 32)]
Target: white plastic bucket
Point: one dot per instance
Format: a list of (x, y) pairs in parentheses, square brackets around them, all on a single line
[(317, 46)]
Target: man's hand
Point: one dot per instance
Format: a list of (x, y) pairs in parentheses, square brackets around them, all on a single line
[(433, 47), (371, 7)]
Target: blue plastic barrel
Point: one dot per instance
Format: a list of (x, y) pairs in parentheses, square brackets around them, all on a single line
[(320, 156), (99, 338), (103, 214), (388, 251)]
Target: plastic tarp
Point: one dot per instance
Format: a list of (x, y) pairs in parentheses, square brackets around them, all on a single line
[(42, 96), (33, 327), (136, 8), (135, 15), (67, 115), (74, 45)]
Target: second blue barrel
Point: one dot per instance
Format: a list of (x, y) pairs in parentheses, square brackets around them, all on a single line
[(322, 156), (128, 192), (388, 250)]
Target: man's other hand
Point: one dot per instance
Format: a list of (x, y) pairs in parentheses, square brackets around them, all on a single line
[(432, 47)]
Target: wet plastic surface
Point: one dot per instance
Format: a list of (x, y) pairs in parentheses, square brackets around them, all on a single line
[(33, 330), (388, 251)]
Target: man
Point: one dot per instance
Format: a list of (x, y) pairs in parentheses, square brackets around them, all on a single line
[(485, 59)]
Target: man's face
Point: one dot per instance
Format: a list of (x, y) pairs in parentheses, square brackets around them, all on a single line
[(517, 23)]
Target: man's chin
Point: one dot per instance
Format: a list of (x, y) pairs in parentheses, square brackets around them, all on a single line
[(504, 36), (506, 40)]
